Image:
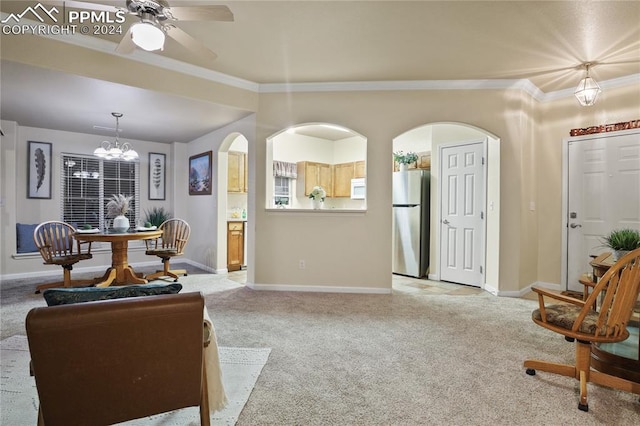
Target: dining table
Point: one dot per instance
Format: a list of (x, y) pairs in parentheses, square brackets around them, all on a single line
[(120, 272)]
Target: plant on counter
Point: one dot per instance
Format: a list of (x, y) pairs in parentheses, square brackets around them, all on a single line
[(318, 193), (118, 205), (401, 158), (156, 216)]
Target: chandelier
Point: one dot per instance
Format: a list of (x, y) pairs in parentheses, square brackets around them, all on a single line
[(116, 150), (588, 89)]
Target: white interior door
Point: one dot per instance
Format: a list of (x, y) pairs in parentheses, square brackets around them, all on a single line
[(603, 194), (462, 189)]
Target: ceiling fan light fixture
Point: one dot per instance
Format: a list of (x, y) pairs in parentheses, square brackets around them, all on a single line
[(588, 89), (148, 36)]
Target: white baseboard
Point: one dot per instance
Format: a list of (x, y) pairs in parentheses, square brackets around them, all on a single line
[(318, 289)]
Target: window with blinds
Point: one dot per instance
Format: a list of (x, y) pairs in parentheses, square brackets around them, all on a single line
[(88, 183)]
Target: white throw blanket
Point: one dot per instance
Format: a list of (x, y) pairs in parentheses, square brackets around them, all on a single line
[(217, 395)]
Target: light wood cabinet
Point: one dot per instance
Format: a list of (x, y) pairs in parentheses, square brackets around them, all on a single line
[(342, 175), (235, 245), (424, 160), (315, 174), (360, 169), (236, 172)]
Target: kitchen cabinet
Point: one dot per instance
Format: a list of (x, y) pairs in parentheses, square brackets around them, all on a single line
[(360, 169), (235, 245), (424, 160), (237, 172), (342, 175), (315, 174)]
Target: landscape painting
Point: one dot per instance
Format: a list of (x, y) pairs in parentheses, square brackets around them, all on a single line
[(200, 174)]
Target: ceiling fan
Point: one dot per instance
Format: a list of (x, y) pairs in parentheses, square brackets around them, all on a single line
[(156, 18)]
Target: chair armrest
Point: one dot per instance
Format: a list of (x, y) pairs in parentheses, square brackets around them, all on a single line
[(80, 243), (560, 297)]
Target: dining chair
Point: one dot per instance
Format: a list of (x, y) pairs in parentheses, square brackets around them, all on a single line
[(175, 234), (57, 246), (615, 296)]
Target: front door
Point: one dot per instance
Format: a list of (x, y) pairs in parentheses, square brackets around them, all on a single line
[(462, 185), (603, 194)]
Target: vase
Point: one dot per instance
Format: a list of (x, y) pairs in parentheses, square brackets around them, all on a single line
[(617, 254), (317, 204), (121, 223), (403, 167)]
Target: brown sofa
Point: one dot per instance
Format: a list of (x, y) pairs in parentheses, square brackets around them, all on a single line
[(104, 362)]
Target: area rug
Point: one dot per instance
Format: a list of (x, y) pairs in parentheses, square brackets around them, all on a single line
[(19, 399)]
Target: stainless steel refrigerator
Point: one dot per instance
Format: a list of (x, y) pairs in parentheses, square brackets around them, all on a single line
[(411, 222)]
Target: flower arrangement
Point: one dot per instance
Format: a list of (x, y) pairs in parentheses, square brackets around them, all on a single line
[(318, 193), (402, 158), (118, 205)]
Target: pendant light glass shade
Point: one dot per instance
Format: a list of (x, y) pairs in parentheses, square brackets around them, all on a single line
[(147, 36), (116, 150), (588, 90)]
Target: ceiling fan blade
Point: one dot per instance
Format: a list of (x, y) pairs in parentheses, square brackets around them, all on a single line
[(91, 6), (126, 45), (190, 43), (200, 13)]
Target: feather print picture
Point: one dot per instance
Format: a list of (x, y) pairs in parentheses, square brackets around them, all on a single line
[(39, 170)]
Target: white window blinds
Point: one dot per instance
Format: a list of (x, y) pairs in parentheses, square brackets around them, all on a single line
[(88, 182)]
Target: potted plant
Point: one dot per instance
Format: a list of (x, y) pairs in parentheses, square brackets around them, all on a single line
[(156, 216), (117, 207), (622, 241), (403, 159), (317, 195)]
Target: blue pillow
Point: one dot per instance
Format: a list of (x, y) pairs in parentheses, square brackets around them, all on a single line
[(66, 296), (24, 234)]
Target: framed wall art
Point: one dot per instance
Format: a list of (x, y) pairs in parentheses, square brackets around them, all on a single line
[(157, 176), (39, 170), (200, 174)]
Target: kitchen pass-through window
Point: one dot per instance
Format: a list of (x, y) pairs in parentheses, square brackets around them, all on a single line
[(87, 184)]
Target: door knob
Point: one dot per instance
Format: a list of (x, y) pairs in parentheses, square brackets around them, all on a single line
[(575, 225), (446, 222)]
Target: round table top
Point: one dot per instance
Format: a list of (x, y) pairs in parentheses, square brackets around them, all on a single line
[(120, 236)]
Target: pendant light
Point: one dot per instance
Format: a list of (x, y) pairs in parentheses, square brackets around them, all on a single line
[(116, 150), (588, 89)]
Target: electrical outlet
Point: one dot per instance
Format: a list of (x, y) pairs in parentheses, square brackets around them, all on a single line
[(302, 264)]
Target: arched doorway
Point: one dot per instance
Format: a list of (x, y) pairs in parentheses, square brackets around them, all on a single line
[(427, 142), (232, 205)]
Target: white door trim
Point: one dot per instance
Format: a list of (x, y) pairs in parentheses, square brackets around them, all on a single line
[(437, 209)]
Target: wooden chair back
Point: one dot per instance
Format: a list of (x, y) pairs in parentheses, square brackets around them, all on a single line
[(615, 295), (55, 242), (175, 234)]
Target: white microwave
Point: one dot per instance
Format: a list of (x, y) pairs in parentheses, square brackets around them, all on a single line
[(358, 188)]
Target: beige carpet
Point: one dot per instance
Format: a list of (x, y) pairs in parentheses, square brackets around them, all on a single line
[(421, 358), (19, 400)]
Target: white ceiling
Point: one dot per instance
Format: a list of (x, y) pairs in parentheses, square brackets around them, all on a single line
[(340, 41)]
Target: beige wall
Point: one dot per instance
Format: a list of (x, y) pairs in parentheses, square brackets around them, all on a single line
[(355, 250), (558, 118), (351, 250)]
